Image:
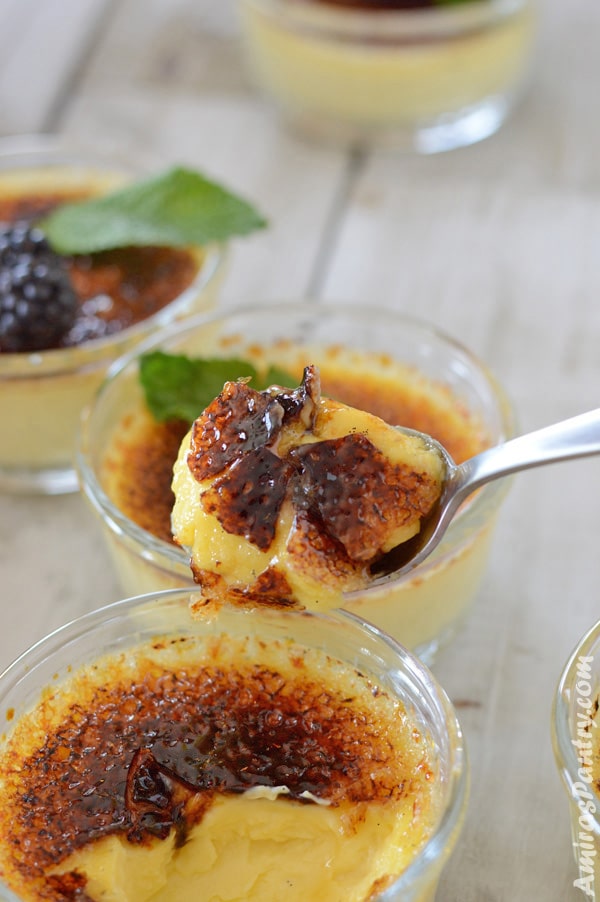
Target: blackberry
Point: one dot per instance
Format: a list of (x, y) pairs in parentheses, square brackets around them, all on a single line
[(38, 304)]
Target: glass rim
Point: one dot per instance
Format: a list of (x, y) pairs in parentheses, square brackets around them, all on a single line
[(58, 148), (355, 25), (420, 679), (163, 553), (55, 150), (565, 702)]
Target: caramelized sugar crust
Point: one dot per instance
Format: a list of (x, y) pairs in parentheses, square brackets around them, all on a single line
[(352, 493), (144, 753)]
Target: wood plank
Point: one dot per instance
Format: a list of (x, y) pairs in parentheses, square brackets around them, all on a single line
[(170, 48), (42, 43)]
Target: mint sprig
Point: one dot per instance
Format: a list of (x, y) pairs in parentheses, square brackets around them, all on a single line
[(180, 387), (177, 208)]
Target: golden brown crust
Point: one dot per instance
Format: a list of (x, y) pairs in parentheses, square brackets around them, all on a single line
[(234, 423), (321, 554), (140, 471), (269, 588), (266, 450), (142, 755)]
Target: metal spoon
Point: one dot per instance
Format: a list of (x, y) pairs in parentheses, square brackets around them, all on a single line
[(575, 437)]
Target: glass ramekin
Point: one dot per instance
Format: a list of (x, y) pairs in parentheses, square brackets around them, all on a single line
[(122, 626), (42, 393), (424, 608), (431, 79), (576, 741)]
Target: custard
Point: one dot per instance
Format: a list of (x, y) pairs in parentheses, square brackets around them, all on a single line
[(223, 767), (135, 458), (388, 74), (123, 296), (137, 468), (285, 497)]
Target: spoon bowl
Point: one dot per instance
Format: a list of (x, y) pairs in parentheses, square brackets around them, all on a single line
[(576, 437)]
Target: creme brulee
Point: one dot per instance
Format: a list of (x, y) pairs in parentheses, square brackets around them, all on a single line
[(138, 454), (375, 360), (381, 73), (223, 767), (122, 296)]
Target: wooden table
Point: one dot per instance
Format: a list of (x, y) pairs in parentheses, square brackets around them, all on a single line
[(498, 244)]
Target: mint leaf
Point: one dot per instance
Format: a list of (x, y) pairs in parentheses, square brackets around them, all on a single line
[(180, 387), (175, 209)]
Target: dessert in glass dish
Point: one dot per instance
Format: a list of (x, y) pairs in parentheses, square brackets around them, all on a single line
[(428, 75), (396, 368), (77, 292), (576, 740), (149, 755)]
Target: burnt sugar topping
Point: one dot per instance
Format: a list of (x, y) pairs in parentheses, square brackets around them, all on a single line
[(142, 471), (357, 493), (242, 419), (125, 286), (144, 754), (269, 588), (274, 469), (28, 208), (345, 484), (233, 435), (247, 500)]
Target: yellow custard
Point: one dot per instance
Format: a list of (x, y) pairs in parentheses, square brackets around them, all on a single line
[(43, 392), (135, 467), (226, 767), (370, 73), (285, 497)]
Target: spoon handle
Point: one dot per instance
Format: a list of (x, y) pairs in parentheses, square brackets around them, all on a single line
[(576, 437)]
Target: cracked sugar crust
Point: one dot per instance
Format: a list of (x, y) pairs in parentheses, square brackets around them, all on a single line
[(305, 489), (358, 495), (141, 744)]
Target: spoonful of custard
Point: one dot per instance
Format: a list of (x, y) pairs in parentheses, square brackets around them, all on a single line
[(287, 498)]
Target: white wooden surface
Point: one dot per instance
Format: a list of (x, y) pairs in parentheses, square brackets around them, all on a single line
[(498, 244)]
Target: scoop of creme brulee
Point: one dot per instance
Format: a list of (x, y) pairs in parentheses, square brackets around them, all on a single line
[(287, 498)]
